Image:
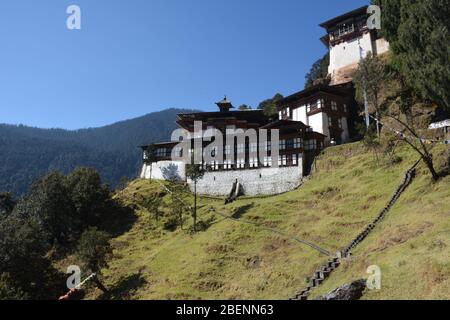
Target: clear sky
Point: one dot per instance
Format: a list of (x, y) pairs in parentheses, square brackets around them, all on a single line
[(133, 57)]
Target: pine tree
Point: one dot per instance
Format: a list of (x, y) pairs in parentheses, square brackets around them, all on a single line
[(419, 35)]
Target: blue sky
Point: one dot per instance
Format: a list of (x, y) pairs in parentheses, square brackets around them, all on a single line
[(133, 57)]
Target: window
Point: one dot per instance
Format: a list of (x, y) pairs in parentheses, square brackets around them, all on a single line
[(320, 104), (240, 163), (282, 160), (161, 152), (254, 147), (267, 161), (178, 152), (253, 162), (227, 149), (289, 144), (298, 143), (340, 123), (241, 148), (228, 164), (334, 106), (294, 159), (345, 108), (310, 144), (214, 165), (265, 145), (344, 29), (286, 113), (308, 108), (282, 144)]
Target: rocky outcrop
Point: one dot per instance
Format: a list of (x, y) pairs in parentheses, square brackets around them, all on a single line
[(350, 291)]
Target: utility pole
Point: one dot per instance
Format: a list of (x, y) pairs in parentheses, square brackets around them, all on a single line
[(366, 102), (366, 110)]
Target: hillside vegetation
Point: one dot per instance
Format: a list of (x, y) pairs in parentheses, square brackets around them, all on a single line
[(27, 153), (234, 260)]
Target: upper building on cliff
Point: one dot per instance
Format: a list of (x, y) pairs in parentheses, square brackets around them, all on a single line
[(350, 39), (330, 109)]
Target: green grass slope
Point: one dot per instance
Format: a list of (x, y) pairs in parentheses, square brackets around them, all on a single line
[(233, 260)]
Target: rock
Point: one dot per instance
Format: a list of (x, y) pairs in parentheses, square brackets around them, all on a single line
[(352, 291)]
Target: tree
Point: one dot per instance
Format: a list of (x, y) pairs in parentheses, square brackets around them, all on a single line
[(7, 204), (88, 196), (318, 71), (8, 291), (374, 77), (195, 172), (177, 207), (269, 106), (419, 33), (49, 203), (26, 272), (371, 142), (404, 102), (369, 81), (94, 250)]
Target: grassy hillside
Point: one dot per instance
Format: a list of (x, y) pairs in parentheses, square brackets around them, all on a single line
[(232, 260)]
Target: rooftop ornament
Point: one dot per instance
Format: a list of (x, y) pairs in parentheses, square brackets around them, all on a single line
[(224, 105)]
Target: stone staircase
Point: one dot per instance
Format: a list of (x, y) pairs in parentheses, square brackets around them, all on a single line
[(236, 191), (325, 270)]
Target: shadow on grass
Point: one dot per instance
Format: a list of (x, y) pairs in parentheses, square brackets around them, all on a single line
[(239, 212), (444, 172), (125, 288), (119, 219)]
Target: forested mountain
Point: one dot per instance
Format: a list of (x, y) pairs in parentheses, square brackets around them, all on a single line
[(27, 153)]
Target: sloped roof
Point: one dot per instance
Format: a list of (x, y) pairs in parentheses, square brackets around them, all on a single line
[(354, 13), (312, 91)]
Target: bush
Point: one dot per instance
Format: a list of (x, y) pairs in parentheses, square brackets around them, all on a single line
[(171, 223), (94, 249)]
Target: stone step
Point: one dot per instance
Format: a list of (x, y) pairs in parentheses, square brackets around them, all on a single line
[(324, 271)]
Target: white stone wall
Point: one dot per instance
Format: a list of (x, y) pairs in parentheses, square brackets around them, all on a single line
[(255, 182), (164, 170)]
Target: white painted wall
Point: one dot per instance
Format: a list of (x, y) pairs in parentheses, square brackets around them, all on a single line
[(300, 115), (348, 53), (164, 170), (319, 123)]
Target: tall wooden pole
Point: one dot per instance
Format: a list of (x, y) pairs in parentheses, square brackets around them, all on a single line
[(195, 206)]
